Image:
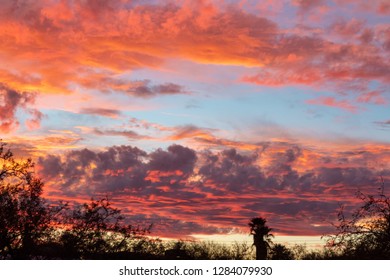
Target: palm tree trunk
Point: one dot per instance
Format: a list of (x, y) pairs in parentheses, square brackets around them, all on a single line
[(261, 249)]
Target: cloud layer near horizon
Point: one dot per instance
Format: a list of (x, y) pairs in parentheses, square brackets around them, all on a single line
[(218, 192)]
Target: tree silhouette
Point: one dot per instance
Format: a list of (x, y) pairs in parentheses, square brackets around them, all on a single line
[(96, 230), (366, 235), (25, 217), (261, 237)]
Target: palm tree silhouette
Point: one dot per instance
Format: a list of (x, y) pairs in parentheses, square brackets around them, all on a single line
[(261, 237)]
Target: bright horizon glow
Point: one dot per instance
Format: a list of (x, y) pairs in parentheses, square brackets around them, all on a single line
[(311, 242)]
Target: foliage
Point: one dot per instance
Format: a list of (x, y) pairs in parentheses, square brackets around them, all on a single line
[(207, 250), (95, 229), (281, 252), (25, 218), (367, 234)]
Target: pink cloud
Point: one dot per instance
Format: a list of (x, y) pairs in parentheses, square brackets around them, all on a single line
[(332, 102), (374, 97)]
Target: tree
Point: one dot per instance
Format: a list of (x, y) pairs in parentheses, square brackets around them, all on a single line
[(24, 216), (261, 237), (366, 235), (96, 230)]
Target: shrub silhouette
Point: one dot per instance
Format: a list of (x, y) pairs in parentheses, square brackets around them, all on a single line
[(207, 250), (281, 252)]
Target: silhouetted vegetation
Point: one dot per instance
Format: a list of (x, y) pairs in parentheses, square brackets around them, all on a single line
[(366, 235), (30, 228), (25, 218), (196, 250), (261, 237), (281, 252), (96, 228)]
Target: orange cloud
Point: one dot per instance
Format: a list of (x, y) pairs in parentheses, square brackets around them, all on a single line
[(205, 136), (57, 46), (51, 45)]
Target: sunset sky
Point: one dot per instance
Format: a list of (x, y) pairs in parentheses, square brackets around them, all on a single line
[(197, 116)]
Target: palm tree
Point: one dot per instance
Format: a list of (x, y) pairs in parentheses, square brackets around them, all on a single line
[(261, 237)]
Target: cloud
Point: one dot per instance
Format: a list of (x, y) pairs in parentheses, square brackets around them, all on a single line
[(139, 88), (93, 45), (97, 47), (111, 113), (219, 191), (12, 100), (376, 7), (344, 58), (231, 171), (175, 158), (131, 135), (384, 8), (332, 102), (349, 28), (306, 5), (86, 171), (206, 136), (137, 123), (374, 97), (383, 124), (144, 89)]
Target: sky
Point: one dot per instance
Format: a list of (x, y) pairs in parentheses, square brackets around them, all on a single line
[(197, 116)]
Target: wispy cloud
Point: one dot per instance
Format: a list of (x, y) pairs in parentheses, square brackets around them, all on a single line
[(332, 102), (132, 135), (111, 113)]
